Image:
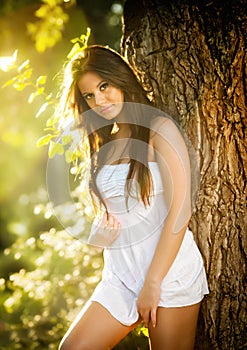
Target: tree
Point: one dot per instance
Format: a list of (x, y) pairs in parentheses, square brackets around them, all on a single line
[(192, 56)]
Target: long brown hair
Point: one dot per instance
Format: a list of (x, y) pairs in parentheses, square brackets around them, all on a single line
[(114, 69)]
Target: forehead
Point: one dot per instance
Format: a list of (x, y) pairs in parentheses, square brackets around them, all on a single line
[(89, 81)]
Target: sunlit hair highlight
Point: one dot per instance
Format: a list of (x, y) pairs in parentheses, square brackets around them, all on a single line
[(115, 70)]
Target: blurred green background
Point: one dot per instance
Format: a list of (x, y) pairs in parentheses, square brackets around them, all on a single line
[(45, 274), (22, 163)]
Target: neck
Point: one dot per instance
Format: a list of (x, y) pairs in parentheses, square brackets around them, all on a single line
[(123, 132)]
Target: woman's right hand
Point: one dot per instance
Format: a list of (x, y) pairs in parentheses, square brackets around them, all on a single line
[(105, 232)]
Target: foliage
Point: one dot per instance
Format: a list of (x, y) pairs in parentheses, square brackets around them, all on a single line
[(23, 77), (57, 272), (40, 300), (79, 44), (47, 30), (136, 340), (52, 274), (38, 305)]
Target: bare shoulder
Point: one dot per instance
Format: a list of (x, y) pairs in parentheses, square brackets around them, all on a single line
[(168, 139), (161, 125)]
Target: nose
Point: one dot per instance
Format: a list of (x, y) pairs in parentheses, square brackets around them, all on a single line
[(99, 98)]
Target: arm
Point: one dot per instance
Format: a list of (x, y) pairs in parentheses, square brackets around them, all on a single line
[(174, 164)]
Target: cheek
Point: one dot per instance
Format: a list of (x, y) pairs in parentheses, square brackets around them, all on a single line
[(116, 95), (120, 96), (90, 103)]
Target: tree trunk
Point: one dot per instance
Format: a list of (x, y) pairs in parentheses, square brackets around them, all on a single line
[(192, 55)]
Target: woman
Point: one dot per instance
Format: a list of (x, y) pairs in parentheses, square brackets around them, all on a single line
[(140, 178)]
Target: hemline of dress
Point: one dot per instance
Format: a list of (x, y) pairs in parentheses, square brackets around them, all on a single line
[(164, 306)]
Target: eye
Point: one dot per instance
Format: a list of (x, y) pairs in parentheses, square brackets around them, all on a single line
[(103, 86), (88, 96)]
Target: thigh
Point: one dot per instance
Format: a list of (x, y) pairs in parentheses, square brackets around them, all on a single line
[(95, 329), (175, 329)]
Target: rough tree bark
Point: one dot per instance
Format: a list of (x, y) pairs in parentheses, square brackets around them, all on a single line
[(193, 57)]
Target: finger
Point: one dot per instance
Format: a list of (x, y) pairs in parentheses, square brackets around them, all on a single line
[(104, 220), (153, 317), (111, 222), (114, 228), (145, 316), (116, 224)]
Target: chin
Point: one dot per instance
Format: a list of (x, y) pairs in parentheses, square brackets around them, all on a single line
[(107, 117), (110, 116)]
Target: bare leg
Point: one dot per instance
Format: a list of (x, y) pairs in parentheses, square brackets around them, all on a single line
[(175, 329), (94, 329)]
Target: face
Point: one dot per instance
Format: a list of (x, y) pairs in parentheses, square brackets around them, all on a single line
[(105, 99)]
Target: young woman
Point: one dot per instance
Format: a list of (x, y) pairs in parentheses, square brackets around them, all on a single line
[(140, 176)]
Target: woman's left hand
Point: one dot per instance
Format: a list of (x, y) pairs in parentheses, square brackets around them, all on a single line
[(148, 301)]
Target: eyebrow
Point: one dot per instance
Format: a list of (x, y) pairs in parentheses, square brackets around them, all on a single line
[(102, 81), (85, 93)]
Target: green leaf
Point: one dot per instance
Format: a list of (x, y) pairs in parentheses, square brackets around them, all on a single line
[(52, 3), (31, 97), (40, 91), (34, 94), (69, 156), (141, 329), (66, 139), (75, 48), (27, 73), (44, 140), (83, 40), (31, 28), (42, 11), (87, 36), (52, 129), (74, 40), (25, 64), (48, 97), (42, 109), (55, 148), (41, 80), (19, 86), (52, 121), (9, 82)]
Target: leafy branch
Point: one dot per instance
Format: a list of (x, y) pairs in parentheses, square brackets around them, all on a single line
[(47, 30), (23, 77)]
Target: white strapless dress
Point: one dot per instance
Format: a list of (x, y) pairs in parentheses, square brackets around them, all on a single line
[(126, 262)]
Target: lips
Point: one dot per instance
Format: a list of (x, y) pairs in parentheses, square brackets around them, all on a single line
[(105, 109), (109, 110)]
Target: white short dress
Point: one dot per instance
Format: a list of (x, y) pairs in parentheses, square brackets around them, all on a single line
[(126, 262)]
